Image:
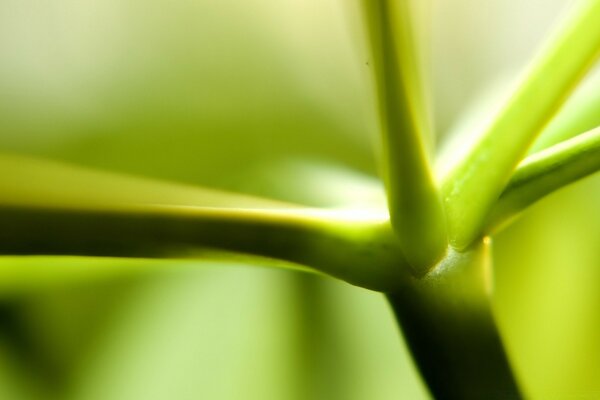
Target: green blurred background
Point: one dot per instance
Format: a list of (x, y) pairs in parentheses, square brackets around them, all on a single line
[(265, 97)]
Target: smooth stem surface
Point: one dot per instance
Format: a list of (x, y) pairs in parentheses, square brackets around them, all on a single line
[(363, 253), (413, 200), (547, 171), (448, 323), (49, 208), (580, 114), (473, 186)]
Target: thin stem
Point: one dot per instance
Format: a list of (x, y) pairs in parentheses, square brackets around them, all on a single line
[(580, 114), (546, 171), (413, 199), (473, 186)]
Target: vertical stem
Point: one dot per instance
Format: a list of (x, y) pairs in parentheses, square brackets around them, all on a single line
[(413, 197), (447, 320)]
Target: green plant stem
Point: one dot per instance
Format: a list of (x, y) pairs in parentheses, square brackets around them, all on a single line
[(547, 171), (580, 114), (472, 187), (363, 252), (413, 199), (49, 208), (448, 323)]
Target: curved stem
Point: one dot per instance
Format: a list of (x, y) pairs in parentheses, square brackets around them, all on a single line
[(448, 323), (48, 208), (330, 243), (546, 171)]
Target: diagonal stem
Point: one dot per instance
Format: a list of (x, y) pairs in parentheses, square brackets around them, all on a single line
[(546, 171), (473, 186), (580, 114)]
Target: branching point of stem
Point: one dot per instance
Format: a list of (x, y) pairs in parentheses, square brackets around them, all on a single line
[(413, 199)]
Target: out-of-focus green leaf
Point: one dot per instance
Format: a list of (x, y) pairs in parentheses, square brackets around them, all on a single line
[(15, 381), (178, 337), (182, 91), (26, 275), (313, 183), (377, 363), (154, 349), (41, 183), (547, 293)]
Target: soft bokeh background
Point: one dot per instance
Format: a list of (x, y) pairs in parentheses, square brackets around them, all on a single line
[(265, 97)]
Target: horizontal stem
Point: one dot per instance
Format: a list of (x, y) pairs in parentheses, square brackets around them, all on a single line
[(547, 171), (363, 253), (49, 208)]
